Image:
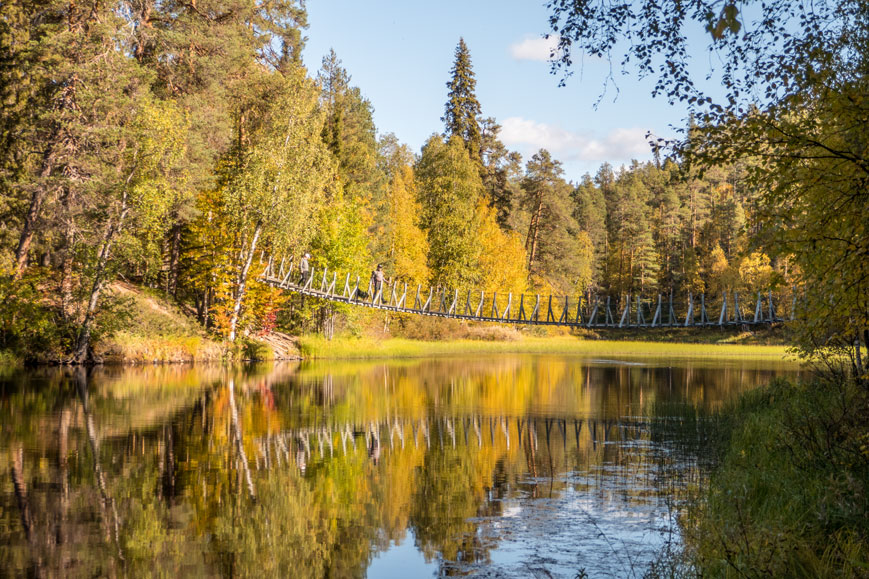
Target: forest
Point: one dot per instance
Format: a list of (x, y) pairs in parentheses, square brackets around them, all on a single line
[(170, 144), (160, 149)]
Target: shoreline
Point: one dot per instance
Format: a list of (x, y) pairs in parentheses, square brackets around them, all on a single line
[(316, 348)]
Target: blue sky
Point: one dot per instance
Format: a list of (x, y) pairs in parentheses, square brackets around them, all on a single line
[(400, 54)]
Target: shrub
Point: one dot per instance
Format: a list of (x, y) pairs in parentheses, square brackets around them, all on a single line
[(791, 495)]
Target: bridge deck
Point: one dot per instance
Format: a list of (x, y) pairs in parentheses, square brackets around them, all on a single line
[(588, 312)]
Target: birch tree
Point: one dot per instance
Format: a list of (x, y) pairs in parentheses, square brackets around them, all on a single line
[(275, 179)]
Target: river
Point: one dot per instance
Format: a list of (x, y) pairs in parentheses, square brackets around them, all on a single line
[(493, 466)]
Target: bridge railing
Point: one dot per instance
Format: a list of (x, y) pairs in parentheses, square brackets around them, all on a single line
[(589, 310)]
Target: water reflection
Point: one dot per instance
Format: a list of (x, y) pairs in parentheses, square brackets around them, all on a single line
[(513, 464)]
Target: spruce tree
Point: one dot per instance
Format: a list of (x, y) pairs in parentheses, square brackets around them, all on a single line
[(462, 111)]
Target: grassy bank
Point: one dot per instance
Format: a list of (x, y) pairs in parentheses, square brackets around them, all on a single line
[(790, 497), (158, 331), (363, 348), (10, 360)]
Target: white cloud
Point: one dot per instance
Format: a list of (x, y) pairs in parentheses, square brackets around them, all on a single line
[(619, 145), (539, 48)]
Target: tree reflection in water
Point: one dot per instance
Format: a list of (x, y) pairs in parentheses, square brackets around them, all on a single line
[(312, 470)]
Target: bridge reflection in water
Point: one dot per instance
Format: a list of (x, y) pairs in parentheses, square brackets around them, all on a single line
[(590, 311), (304, 444)]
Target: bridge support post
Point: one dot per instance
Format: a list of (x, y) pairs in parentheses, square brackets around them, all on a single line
[(626, 312), (758, 310), (506, 315), (403, 297), (520, 316), (689, 317), (657, 317), (310, 280), (535, 314), (495, 305), (610, 320), (480, 305), (737, 312), (771, 308), (550, 317), (591, 319), (285, 282), (671, 315), (355, 289), (641, 320), (723, 315), (578, 319)]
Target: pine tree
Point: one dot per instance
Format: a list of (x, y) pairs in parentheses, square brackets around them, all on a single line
[(462, 111), (590, 214), (558, 251), (501, 172), (349, 130)]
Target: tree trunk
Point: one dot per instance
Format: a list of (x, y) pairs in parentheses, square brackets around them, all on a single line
[(84, 337), (239, 440), (28, 228), (174, 257), (242, 281), (108, 507), (533, 230), (66, 298)]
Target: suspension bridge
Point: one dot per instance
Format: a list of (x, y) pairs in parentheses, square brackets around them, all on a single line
[(589, 311)]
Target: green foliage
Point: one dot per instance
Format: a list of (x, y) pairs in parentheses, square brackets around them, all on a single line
[(30, 327), (789, 498), (558, 251), (462, 111), (449, 187), (405, 243), (349, 131), (502, 172)]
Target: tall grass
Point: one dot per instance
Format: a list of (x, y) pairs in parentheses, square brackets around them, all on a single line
[(9, 360), (364, 348), (791, 495), (158, 331)]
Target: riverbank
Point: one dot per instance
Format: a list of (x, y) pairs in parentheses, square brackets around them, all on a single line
[(790, 497), (151, 328), (364, 348)]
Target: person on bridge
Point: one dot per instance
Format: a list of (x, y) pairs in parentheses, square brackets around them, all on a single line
[(304, 269), (377, 278)]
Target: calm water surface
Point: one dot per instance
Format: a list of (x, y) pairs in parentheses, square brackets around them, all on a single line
[(500, 466)]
